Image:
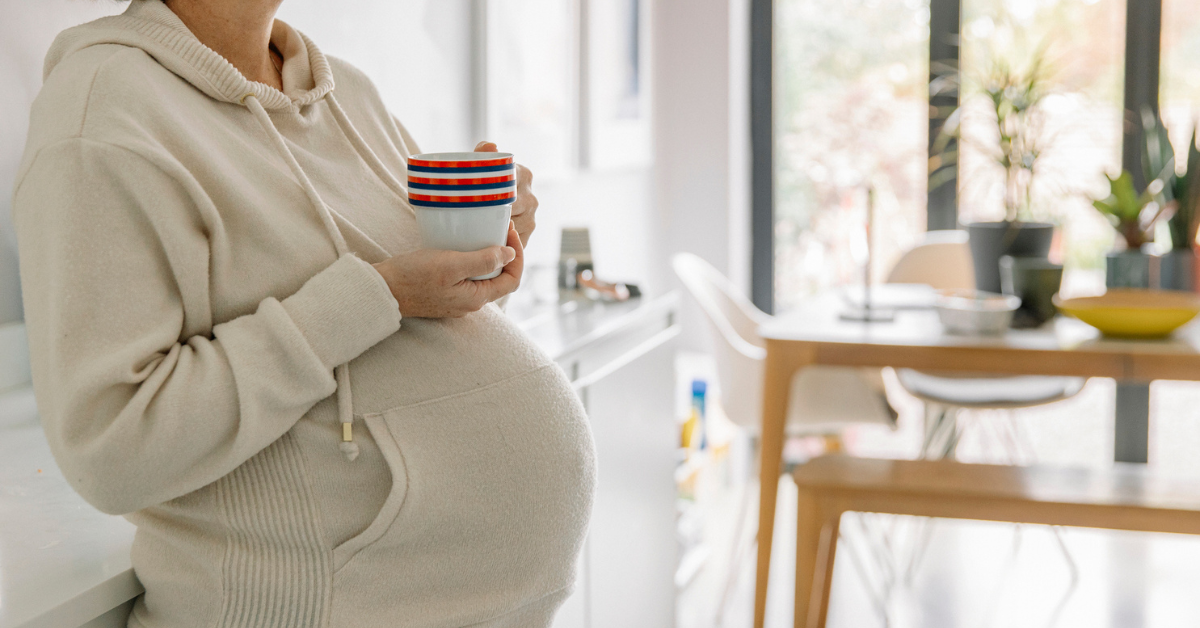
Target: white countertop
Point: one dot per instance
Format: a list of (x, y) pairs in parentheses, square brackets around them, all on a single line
[(63, 563)]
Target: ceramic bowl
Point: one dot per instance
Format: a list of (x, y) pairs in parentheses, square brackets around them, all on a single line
[(974, 312), (1134, 313)]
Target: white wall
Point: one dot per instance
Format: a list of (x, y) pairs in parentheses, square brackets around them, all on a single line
[(702, 129), (26, 31), (418, 53)]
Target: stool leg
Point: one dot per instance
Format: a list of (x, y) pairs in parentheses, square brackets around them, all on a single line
[(816, 543)]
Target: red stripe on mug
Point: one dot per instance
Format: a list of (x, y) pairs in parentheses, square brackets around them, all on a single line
[(462, 181), (461, 164), (462, 199)]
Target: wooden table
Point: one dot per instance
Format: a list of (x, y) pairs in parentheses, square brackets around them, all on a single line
[(813, 335)]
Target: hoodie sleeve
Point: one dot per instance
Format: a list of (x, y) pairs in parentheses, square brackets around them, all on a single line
[(136, 410)]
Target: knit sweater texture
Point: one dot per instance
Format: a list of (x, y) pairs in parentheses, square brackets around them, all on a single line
[(195, 258)]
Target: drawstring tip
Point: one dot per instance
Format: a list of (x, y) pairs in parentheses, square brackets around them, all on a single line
[(348, 446)]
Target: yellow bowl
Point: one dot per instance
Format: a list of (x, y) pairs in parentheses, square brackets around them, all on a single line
[(1128, 313)]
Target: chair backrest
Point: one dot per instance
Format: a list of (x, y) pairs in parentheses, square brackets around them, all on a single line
[(941, 260), (14, 356), (733, 331), (820, 399)]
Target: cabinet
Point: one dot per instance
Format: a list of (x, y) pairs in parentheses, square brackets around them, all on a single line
[(625, 380)]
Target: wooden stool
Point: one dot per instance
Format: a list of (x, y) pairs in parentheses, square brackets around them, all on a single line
[(1126, 498)]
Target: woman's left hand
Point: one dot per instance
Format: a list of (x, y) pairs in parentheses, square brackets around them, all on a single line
[(526, 205)]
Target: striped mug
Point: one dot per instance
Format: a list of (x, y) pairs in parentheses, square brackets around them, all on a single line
[(463, 201)]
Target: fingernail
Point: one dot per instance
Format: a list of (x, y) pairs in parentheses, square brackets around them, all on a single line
[(511, 225), (510, 254)]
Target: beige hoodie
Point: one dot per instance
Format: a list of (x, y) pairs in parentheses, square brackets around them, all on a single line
[(195, 254)]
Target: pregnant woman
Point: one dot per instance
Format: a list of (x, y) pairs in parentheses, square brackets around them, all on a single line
[(220, 266)]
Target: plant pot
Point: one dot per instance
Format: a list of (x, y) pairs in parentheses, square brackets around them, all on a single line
[(992, 240), (1035, 280), (1177, 270), (1130, 269)]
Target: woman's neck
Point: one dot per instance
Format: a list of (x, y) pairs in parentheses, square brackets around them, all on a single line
[(239, 30)]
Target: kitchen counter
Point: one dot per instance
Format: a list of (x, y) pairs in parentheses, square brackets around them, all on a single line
[(63, 564)]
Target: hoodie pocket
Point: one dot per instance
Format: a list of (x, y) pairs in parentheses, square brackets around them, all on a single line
[(395, 499), (498, 492)]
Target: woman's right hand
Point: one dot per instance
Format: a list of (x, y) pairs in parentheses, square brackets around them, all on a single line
[(436, 284)]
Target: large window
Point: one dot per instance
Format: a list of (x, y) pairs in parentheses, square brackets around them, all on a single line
[(851, 112)]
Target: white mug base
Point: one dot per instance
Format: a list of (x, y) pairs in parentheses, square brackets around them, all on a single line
[(464, 229), (491, 275)]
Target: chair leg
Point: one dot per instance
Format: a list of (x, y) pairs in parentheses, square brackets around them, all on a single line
[(941, 432), (816, 543)]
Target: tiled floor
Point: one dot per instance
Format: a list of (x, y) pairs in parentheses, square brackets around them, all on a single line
[(985, 575)]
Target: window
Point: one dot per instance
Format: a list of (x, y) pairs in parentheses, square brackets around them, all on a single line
[(1180, 73), (851, 111)]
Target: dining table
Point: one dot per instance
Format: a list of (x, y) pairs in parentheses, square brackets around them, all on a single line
[(816, 333)]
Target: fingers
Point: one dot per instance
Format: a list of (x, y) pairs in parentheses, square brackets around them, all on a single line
[(487, 147), (524, 175), (526, 204), (463, 266), (509, 279)]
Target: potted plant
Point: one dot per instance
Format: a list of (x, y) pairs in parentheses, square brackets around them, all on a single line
[(1134, 216), (1014, 110), (1179, 193)]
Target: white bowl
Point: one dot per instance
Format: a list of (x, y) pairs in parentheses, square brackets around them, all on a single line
[(974, 312), (464, 229)]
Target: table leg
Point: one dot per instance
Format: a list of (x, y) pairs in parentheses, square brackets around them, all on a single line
[(1132, 429), (777, 376)]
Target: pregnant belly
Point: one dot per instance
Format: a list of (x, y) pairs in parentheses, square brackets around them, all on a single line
[(492, 491), (430, 359)]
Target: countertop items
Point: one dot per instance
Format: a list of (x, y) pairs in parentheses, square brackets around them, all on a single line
[(64, 564)]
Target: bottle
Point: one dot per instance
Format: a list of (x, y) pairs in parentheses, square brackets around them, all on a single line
[(699, 391)]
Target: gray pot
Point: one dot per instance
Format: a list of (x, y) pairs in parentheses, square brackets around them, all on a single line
[(992, 240), (1035, 280), (1177, 271), (1131, 269)]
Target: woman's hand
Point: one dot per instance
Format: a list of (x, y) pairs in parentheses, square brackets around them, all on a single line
[(436, 284), (526, 204)]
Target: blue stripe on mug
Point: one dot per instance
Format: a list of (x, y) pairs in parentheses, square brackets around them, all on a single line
[(418, 203), (500, 168), (478, 186)]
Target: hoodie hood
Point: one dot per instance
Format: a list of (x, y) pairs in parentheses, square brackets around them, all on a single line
[(150, 26)]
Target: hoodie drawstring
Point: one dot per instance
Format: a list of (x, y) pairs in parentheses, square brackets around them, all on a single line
[(365, 151), (342, 371)]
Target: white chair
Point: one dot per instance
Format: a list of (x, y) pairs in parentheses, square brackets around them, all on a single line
[(943, 260), (823, 401)]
